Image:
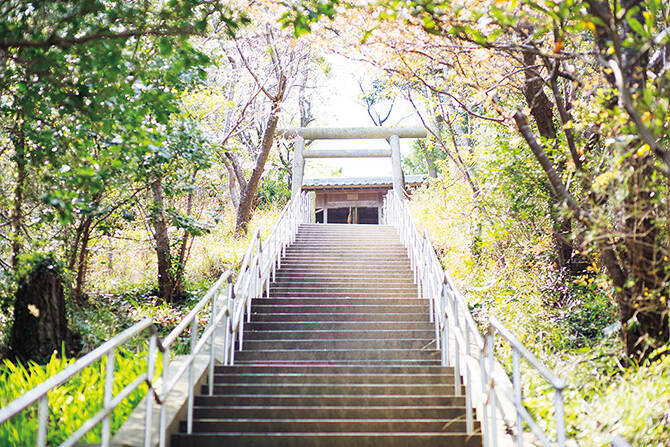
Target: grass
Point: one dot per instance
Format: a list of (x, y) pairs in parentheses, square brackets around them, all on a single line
[(71, 403), (126, 264), (606, 399)]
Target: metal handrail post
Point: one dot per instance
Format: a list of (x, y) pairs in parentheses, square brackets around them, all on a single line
[(518, 401), (210, 378), (484, 378), (443, 335), (107, 397), (43, 421), (560, 417), (457, 353), (151, 365), (226, 341), (469, 422), (194, 339), (447, 332), (162, 425), (492, 393), (233, 334), (240, 328)]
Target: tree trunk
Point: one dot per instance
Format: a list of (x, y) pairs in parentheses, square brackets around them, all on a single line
[(248, 194), (40, 321), (233, 189), (541, 108), (77, 293), (80, 251), (638, 267), (184, 248), (643, 300), (430, 162), (18, 140), (540, 105), (166, 284), (73, 250)]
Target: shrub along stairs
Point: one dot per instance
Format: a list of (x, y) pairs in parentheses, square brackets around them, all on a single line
[(342, 353)]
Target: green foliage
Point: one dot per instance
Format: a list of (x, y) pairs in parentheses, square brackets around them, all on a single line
[(273, 190), (416, 162), (29, 262), (302, 15), (105, 95), (589, 314), (71, 403)]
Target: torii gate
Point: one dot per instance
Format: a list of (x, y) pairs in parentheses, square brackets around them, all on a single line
[(392, 135)]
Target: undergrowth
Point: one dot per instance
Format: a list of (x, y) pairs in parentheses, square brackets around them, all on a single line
[(503, 269)]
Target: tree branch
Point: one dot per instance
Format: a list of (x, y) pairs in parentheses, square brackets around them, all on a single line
[(645, 133), (556, 183), (55, 41)]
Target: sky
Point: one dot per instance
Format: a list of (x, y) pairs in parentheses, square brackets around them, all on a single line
[(338, 105)]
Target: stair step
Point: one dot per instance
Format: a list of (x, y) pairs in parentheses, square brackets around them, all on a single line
[(326, 440), (340, 302), (339, 354), (335, 294), (330, 274), (341, 362), (349, 241), (327, 400), (345, 295), (334, 317), (301, 288), (340, 325), (339, 412), (337, 335), (327, 389), (336, 281), (321, 344), (347, 253), (257, 425), (341, 378), (267, 306), (326, 369), (316, 247), (324, 259), (341, 273), (339, 282)]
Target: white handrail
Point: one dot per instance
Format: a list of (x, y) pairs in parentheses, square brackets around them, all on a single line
[(226, 309), (108, 349), (457, 334)]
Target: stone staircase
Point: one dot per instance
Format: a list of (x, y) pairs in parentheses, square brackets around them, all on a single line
[(341, 354)]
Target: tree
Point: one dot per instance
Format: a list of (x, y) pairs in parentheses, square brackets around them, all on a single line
[(591, 77), (175, 169), (377, 101), (634, 248), (259, 71), (86, 90)]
